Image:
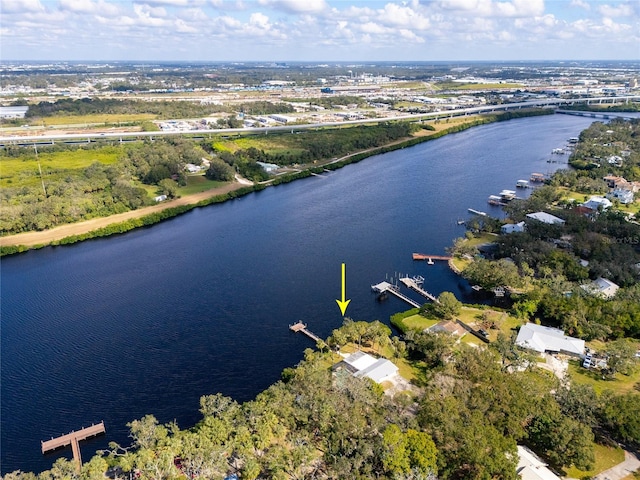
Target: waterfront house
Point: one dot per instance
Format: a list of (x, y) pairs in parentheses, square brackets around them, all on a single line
[(597, 203), (512, 227), (623, 195), (548, 339), (601, 287), (448, 326), (545, 218), (361, 364)]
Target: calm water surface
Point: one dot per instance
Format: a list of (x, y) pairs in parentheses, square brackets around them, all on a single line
[(147, 322)]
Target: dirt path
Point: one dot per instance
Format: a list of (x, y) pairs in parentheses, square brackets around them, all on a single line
[(31, 239), (58, 233)]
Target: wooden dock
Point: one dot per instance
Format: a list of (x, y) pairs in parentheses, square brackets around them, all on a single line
[(73, 439), (386, 287), (413, 285), (430, 258), (302, 327)]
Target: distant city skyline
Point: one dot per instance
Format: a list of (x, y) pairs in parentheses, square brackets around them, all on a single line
[(319, 30)]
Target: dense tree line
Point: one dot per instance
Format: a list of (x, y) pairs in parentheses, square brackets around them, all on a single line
[(162, 109), (101, 189), (463, 422)]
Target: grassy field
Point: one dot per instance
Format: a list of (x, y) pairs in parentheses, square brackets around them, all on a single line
[(197, 184), (606, 457), (108, 118), (619, 384), (23, 170)]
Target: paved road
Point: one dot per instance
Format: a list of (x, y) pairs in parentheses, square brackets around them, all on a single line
[(631, 464)]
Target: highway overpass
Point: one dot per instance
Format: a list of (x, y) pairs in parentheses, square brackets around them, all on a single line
[(50, 138)]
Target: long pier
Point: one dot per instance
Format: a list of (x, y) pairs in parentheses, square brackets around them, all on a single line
[(427, 257), (413, 285), (302, 327), (383, 287), (73, 439)]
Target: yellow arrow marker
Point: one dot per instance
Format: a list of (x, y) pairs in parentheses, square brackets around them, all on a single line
[(343, 303)]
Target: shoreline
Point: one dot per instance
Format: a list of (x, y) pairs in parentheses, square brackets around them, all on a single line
[(147, 216)]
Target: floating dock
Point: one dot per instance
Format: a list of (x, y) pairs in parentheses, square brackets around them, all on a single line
[(386, 287), (302, 327), (73, 439), (413, 284)]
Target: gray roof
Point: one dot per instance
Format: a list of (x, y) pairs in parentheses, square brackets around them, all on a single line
[(545, 218), (547, 339)]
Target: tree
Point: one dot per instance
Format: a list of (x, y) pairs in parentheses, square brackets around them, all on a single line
[(168, 187), (562, 440), (219, 171), (447, 305), (621, 356), (619, 413)]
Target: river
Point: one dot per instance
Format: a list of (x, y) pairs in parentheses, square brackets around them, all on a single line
[(147, 322)]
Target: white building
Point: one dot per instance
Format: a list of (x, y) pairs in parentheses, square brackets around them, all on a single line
[(361, 365), (268, 167), (13, 112), (601, 287), (596, 203), (512, 227), (545, 218), (530, 467), (547, 339)]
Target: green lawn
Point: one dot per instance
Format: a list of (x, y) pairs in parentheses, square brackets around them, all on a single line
[(109, 118), (606, 457), (419, 322), (23, 170), (620, 383), (197, 184)]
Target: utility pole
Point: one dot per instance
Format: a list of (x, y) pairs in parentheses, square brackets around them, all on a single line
[(35, 147)]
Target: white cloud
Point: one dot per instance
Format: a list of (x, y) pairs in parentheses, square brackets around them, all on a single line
[(296, 6), (401, 16), (174, 3), (580, 4), (259, 20), (490, 8), (21, 6), (182, 27), (622, 10), (89, 6)]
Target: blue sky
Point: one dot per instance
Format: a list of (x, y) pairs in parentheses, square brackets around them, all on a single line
[(319, 30)]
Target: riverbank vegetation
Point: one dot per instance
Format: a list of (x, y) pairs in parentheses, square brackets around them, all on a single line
[(461, 417), (61, 184), (467, 405)]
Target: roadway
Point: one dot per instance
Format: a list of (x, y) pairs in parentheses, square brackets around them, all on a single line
[(49, 138)]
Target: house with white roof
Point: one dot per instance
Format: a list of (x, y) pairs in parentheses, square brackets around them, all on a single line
[(361, 365), (548, 339), (596, 203), (512, 227), (530, 467), (545, 218), (601, 287)]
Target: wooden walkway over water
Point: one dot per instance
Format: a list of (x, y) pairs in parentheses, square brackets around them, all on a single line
[(430, 258), (302, 327), (413, 285), (73, 439), (386, 287)]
